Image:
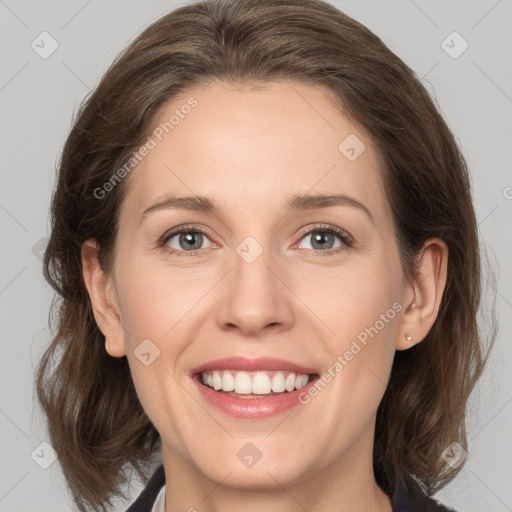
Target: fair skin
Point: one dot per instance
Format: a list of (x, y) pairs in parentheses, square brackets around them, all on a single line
[(252, 149)]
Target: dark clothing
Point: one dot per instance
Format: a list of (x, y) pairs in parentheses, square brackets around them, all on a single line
[(414, 501)]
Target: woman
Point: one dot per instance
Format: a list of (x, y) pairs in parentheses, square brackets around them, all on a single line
[(267, 257)]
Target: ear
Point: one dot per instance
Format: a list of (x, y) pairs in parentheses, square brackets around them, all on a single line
[(423, 295), (102, 292)]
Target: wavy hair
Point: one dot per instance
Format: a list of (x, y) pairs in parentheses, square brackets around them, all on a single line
[(95, 421)]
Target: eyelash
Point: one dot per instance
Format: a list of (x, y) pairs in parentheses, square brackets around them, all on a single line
[(347, 240)]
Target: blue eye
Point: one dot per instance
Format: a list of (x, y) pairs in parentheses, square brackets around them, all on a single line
[(189, 240), (322, 237)]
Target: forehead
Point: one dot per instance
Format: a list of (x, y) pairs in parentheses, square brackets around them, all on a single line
[(254, 147)]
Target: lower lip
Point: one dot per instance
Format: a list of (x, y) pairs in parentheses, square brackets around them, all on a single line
[(253, 408)]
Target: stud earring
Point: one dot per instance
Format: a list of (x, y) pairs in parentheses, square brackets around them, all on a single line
[(409, 338)]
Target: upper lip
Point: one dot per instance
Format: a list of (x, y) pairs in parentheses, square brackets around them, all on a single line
[(251, 365)]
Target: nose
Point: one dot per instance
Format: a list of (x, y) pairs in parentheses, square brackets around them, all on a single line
[(255, 297)]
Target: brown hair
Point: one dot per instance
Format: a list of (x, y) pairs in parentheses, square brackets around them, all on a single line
[(95, 420)]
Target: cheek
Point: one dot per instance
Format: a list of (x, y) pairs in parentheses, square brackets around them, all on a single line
[(158, 309), (151, 301), (361, 351), (154, 310), (354, 299), (362, 310)]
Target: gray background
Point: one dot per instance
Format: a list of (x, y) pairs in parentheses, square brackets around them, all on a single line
[(38, 98)]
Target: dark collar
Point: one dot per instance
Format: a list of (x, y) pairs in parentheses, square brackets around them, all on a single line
[(146, 499), (411, 499)]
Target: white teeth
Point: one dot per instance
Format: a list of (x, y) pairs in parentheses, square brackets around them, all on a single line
[(289, 383), (261, 384), (278, 385), (228, 382), (243, 383), (255, 383), (301, 381), (217, 381)]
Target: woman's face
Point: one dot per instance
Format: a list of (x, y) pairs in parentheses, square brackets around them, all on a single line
[(261, 271)]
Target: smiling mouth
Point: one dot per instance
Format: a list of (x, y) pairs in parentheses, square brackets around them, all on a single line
[(256, 384)]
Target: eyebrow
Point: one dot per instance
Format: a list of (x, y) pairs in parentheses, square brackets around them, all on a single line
[(298, 202)]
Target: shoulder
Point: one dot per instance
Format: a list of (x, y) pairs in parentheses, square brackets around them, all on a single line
[(148, 495), (411, 498)]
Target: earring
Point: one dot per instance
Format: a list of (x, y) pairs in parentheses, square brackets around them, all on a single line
[(409, 338)]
